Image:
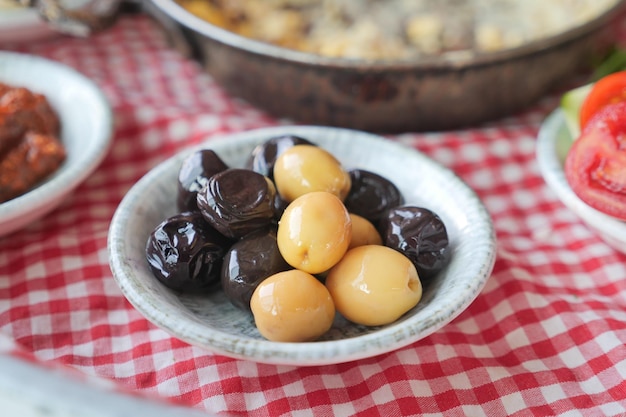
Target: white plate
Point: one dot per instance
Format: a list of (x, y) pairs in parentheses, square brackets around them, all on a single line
[(21, 24), (86, 132), (553, 143), (213, 323)]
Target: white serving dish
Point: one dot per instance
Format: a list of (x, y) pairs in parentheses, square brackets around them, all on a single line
[(553, 143), (86, 132), (214, 324)]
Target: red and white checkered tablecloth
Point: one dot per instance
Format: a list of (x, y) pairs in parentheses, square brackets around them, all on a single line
[(546, 336)]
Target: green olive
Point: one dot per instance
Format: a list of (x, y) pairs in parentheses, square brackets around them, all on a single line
[(363, 232), (374, 285), (292, 306), (302, 169), (314, 232)]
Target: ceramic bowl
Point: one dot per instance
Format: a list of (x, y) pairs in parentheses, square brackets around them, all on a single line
[(451, 91), (211, 322), (553, 143), (86, 132)]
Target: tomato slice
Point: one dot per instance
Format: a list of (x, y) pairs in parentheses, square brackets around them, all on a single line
[(595, 166), (607, 90)]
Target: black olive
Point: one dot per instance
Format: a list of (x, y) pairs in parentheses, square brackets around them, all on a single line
[(371, 195), (420, 235), (279, 207), (264, 155), (248, 262), (194, 173), (238, 201), (185, 253)]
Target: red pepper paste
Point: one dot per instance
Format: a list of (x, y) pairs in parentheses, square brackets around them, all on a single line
[(30, 147)]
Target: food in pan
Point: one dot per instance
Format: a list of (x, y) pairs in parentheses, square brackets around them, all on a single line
[(397, 29)]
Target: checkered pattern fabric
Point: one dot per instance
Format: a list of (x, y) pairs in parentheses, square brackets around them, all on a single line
[(547, 335)]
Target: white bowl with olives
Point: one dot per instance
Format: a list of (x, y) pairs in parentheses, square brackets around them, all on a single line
[(342, 323)]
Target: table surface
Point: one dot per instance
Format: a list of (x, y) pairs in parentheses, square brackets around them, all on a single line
[(546, 336)]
